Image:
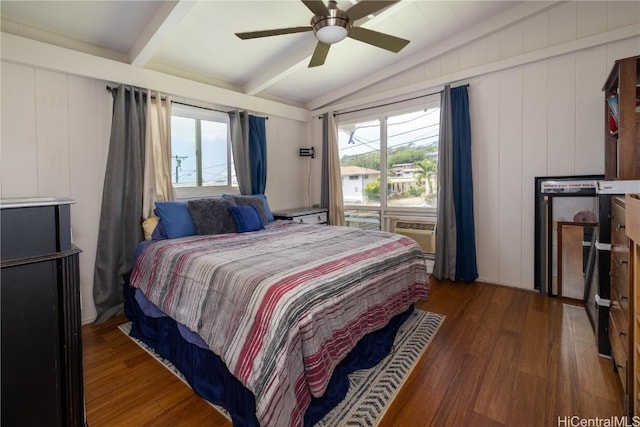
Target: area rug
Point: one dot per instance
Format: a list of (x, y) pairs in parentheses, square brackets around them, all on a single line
[(371, 391)]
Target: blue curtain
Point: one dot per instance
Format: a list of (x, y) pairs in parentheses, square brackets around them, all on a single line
[(455, 232), (466, 268), (258, 154)]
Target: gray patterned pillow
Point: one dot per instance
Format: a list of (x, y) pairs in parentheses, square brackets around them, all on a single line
[(247, 200), (212, 216)]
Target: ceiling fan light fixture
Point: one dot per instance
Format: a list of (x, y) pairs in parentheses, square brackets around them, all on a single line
[(331, 29), (331, 34)]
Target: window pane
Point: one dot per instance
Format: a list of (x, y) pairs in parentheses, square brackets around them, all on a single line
[(364, 220), (412, 159), (359, 150), (183, 152), (215, 166)]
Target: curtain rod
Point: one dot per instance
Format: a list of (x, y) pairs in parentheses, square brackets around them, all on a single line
[(109, 89), (391, 103)]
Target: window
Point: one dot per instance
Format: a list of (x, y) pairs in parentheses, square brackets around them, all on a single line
[(201, 157), (396, 158)]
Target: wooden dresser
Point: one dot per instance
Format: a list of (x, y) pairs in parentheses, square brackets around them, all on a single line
[(620, 335), (42, 382), (633, 232), (622, 165)]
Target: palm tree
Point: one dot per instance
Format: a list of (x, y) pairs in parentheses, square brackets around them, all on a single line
[(428, 170)]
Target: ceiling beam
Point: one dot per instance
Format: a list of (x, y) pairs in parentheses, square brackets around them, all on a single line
[(491, 25), (38, 34), (165, 20), (302, 56)]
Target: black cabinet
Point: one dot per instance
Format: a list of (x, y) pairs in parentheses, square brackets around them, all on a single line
[(41, 342)]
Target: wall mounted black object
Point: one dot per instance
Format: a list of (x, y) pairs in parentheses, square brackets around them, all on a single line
[(308, 152)]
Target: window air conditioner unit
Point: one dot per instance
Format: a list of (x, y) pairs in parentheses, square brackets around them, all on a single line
[(423, 232)]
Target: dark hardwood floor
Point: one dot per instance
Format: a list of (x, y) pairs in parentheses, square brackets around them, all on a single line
[(502, 357)]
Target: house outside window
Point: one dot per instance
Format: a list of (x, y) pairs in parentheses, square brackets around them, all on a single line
[(201, 156), (395, 157)]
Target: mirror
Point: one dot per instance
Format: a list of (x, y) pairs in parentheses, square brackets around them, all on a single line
[(574, 244)]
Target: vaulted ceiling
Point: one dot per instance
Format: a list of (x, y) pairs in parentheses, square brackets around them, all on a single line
[(196, 40)]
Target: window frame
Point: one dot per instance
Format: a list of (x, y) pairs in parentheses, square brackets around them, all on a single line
[(198, 190), (386, 212)]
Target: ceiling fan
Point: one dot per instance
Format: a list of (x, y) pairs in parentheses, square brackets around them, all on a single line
[(331, 25)]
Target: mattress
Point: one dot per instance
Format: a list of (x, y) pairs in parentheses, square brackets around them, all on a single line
[(283, 306)]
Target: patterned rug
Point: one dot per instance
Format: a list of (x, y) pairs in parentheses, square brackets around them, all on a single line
[(371, 391)]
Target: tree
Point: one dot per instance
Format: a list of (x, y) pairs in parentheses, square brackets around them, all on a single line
[(414, 191), (372, 190), (428, 171)]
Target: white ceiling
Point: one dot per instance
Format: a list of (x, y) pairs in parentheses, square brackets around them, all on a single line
[(195, 40)]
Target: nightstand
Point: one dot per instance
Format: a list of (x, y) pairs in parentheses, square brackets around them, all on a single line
[(305, 215)]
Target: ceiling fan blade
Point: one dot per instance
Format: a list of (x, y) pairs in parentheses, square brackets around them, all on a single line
[(366, 7), (382, 40), (317, 7), (268, 33), (319, 54)]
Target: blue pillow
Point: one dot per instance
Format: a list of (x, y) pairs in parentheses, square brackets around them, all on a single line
[(257, 200), (159, 232), (175, 219), (247, 218)]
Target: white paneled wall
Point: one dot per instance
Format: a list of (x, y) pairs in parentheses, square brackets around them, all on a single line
[(290, 180), (55, 143), (484, 124), (55, 137), (535, 78), (594, 69), (539, 117), (509, 139), (19, 142)]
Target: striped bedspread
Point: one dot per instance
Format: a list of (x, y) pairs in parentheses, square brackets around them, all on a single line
[(284, 305)]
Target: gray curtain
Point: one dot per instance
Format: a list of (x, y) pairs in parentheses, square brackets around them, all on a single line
[(324, 178), (445, 263), (239, 130), (119, 230)]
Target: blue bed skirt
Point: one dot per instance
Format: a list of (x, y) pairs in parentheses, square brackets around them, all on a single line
[(210, 378)]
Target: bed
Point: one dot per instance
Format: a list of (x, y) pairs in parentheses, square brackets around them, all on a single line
[(279, 310)]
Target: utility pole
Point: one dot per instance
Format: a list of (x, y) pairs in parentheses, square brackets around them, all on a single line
[(179, 160)]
